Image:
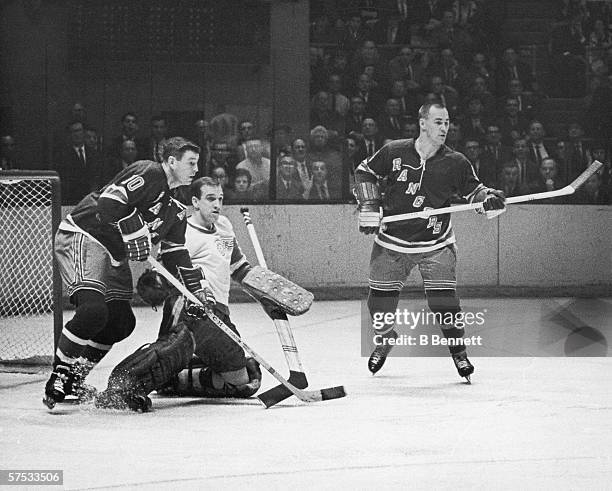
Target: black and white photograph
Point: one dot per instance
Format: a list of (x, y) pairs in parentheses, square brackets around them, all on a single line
[(305, 244)]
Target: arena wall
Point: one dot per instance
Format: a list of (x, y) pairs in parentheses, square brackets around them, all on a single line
[(542, 246)]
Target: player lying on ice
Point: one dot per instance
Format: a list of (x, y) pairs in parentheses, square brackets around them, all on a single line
[(219, 368)]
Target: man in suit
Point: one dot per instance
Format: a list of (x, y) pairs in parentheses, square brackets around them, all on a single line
[(371, 139), (78, 166), (129, 131), (512, 68), (288, 184), (155, 145), (538, 151), (323, 189), (390, 124)]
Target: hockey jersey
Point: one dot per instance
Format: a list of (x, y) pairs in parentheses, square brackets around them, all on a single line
[(142, 186), (217, 252), (412, 185)]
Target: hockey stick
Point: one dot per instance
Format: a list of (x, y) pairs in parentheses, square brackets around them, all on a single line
[(302, 395), (296, 372), (569, 189)]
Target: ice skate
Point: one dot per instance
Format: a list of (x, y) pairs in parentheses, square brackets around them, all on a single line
[(464, 367), (379, 355), (58, 386)]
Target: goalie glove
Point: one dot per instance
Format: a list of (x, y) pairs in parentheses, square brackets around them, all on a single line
[(136, 237), (369, 200), (194, 281)]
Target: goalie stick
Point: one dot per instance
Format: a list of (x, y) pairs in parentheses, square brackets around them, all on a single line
[(569, 189), (302, 395), (296, 372)]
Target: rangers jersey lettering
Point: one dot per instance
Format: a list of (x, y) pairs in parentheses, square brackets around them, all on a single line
[(415, 185), (142, 186), (217, 253)]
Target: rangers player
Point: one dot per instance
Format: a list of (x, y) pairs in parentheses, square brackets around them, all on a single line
[(420, 174)]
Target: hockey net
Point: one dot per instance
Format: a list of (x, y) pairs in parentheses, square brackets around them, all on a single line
[(30, 287)]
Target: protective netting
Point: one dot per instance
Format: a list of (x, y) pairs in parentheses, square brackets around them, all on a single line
[(26, 270)]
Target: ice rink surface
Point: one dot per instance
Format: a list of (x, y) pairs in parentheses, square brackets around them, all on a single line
[(542, 421)]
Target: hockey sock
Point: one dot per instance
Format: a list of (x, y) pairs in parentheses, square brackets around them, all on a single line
[(381, 302), (89, 318), (445, 304)]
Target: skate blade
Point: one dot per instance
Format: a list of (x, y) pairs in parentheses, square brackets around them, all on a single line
[(468, 380)]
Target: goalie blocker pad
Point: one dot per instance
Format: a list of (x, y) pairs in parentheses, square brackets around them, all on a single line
[(153, 365), (291, 298)]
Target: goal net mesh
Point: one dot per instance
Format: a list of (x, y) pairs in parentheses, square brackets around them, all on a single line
[(27, 293)]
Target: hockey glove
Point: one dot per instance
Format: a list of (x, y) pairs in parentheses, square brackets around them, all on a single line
[(136, 237), (369, 199), (493, 204), (194, 281)]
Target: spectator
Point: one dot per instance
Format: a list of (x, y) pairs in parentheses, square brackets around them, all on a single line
[(485, 169), (356, 114), (509, 181), (220, 174), (241, 191), (447, 35), (288, 183), (354, 35), (257, 165), (547, 180), (567, 48), (320, 149), (395, 31), (479, 89), (368, 56), (92, 141), (372, 140), (79, 168), (371, 98), (155, 145), (129, 131), (599, 152), (528, 169), (428, 13), (410, 129), (479, 68), (406, 67), (321, 113), (512, 68), (592, 192), (527, 102), (128, 154), (323, 189), (512, 124), (577, 152), (454, 136), (408, 104), (474, 123), (220, 156), (390, 123), (351, 158), (449, 69), (299, 153), (246, 132), (600, 36), (494, 149), (8, 153), (447, 94), (339, 103), (224, 126), (538, 150)]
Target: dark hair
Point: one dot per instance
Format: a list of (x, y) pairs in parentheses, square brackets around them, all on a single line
[(199, 183), (243, 172), (425, 108), (177, 146), (129, 113)]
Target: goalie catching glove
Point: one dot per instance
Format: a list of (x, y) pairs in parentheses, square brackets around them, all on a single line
[(369, 200), (136, 237), (261, 283), (194, 281)]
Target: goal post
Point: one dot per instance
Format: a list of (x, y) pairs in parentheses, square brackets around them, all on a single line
[(30, 284)]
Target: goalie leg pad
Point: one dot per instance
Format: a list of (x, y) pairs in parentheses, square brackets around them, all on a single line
[(265, 284), (150, 367)]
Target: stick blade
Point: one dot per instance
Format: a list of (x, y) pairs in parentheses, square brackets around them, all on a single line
[(333, 393), (582, 178), (279, 393)]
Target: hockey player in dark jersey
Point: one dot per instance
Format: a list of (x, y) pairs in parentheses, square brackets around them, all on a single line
[(420, 174), (93, 245)]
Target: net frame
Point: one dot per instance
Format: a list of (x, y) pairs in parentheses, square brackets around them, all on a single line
[(52, 200)]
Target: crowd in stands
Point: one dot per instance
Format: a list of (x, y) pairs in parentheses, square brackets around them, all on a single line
[(370, 71), (372, 68)]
